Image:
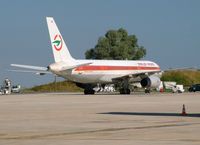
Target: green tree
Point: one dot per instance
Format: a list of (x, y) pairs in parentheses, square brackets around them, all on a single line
[(117, 45)]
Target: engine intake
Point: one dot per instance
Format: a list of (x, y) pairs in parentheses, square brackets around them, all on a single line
[(151, 81)]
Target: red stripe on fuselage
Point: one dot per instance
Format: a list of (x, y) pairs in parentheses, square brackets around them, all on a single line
[(113, 68)]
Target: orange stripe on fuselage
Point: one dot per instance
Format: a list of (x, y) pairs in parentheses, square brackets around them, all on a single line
[(113, 68)]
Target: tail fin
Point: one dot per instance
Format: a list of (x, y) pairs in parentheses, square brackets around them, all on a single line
[(60, 50)]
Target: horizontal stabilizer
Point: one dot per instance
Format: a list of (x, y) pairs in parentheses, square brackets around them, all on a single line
[(30, 67)]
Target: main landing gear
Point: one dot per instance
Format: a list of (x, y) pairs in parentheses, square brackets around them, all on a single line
[(125, 87), (88, 88), (147, 90), (88, 91), (125, 91)]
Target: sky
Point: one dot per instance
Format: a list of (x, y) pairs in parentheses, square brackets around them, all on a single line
[(168, 29)]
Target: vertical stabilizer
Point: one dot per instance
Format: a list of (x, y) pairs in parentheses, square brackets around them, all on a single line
[(60, 50)]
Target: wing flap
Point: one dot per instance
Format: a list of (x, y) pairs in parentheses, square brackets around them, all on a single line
[(135, 75)]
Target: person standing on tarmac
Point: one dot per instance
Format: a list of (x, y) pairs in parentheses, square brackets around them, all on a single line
[(7, 86)]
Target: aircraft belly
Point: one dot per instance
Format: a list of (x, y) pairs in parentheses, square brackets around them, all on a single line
[(95, 77), (88, 78)]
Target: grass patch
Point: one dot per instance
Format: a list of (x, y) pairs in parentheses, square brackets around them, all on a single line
[(63, 86), (182, 77)]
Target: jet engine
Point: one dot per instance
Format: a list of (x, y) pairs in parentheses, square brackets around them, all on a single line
[(152, 81)]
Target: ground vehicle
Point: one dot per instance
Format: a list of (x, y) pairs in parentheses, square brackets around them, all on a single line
[(194, 88), (178, 88), (15, 89)]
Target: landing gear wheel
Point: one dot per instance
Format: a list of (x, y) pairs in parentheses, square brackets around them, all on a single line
[(125, 91), (121, 91), (128, 91), (147, 91), (89, 91)]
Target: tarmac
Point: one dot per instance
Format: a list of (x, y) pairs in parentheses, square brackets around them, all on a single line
[(102, 119)]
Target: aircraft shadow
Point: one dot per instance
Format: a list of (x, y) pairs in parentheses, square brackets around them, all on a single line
[(150, 114)]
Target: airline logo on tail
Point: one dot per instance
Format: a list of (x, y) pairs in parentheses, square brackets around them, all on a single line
[(58, 43)]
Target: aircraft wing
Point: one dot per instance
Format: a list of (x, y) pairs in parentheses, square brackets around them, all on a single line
[(140, 76), (179, 69), (136, 75)]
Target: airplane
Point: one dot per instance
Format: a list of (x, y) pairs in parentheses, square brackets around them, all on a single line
[(87, 74)]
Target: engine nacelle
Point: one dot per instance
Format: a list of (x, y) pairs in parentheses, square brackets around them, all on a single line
[(151, 82)]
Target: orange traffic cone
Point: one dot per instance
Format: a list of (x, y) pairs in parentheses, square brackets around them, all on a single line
[(183, 110)]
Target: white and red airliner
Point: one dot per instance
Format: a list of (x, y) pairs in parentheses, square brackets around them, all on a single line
[(88, 73)]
